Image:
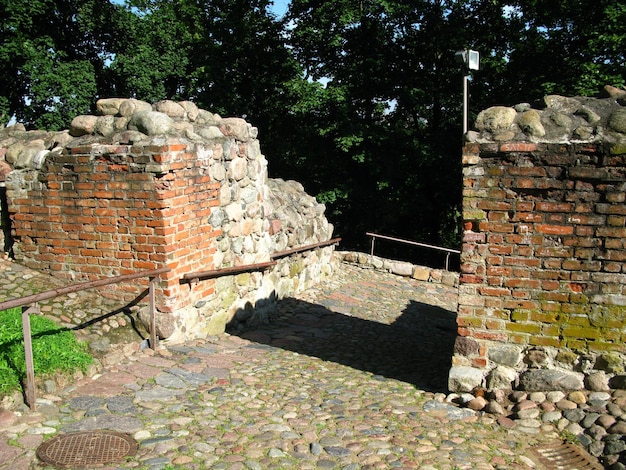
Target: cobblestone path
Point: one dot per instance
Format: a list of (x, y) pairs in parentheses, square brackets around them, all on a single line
[(348, 375)]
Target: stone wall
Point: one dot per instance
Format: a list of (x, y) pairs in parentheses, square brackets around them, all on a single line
[(542, 297), (143, 186), (400, 268)]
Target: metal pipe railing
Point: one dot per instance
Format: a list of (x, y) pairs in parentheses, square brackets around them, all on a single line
[(195, 277), (153, 275), (50, 294), (448, 251), (30, 391), (300, 249)]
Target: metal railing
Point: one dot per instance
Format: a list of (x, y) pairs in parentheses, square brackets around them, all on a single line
[(33, 301), (196, 276), (282, 254), (448, 251), (154, 276)]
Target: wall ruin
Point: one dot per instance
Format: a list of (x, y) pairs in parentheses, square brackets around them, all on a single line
[(143, 186), (542, 297)]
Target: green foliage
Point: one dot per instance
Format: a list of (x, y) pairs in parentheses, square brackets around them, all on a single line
[(359, 101), (59, 89), (54, 349), (53, 57)]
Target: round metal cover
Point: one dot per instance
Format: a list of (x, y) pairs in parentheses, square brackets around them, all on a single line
[(86, 449)]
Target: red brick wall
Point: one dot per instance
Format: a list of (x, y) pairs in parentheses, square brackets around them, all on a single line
[(106, 210), (543, 252)]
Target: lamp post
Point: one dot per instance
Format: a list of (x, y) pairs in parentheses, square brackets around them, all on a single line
[(470, 60)]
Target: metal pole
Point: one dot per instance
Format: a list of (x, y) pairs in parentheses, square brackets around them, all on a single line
[(465, 103), (28, 353), (151, 295)]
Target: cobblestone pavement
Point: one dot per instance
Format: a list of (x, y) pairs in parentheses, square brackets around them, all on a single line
[(348, 375)]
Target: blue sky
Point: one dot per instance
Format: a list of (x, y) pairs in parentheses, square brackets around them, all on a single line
[(280, 7)]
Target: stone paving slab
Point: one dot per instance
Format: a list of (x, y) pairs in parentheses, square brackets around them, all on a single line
[(315, 388)]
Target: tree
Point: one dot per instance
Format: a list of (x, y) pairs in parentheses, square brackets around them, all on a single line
[(389, 156), (52, 57), (569, 47), (360, 100)]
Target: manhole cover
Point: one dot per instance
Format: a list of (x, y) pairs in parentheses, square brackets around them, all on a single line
[(86, 449), (565, 456)]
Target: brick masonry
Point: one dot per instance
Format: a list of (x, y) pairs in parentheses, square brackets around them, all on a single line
[(108, 210), (142, 187), (542, 263)]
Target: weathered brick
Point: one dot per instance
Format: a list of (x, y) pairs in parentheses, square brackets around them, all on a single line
[(475, 237), (555, 229), (611, 232), (518, 147), (532, 217), (501, 249), (496, 227), (586, 219), (580, 332), (554, 251), (589, 173), (529, 328), (616, 209), (523, 283), (550, 341), (494, 291)]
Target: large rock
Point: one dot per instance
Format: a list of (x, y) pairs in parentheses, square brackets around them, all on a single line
[(530, 123), (466, 346), (28, 154), (171, 108), (237, 128), (166, 323), (614, 92), (109, 106), (82, 125), (151, 123), (132, 106), (501, 378), (464, 378), (618, 382), (617, 121), (13, 152), (402, 268), (543, 380), (191, 109), (495, 119), (562, 103), (506, 355), (5, 169), (105, 125)]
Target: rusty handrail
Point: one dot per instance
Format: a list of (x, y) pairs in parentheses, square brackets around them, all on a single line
[(410, 242), (50, 294), (30, 391), (194, 277), (281, 254)]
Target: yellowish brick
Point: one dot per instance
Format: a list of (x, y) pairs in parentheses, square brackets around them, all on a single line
[(530, 328)]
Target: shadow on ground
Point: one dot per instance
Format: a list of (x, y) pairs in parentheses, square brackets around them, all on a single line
[(416, 348)]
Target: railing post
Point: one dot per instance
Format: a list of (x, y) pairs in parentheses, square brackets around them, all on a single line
[(373, 240), (29, 386), (153, 335)]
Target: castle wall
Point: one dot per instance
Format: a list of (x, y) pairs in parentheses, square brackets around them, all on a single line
[(143, 187), (543, 277)]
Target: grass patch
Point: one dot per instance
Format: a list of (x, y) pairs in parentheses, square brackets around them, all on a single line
[(55, 349)]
